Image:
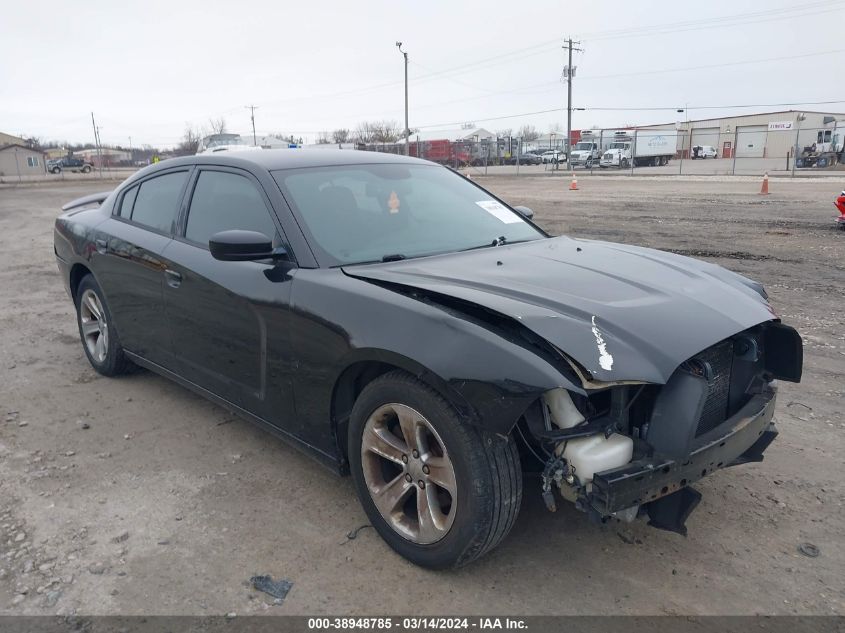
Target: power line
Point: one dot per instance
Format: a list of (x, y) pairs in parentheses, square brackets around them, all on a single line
[(644, 109), (708, 66), (718, 107), (550, 45), (737, 19), (550, 86)]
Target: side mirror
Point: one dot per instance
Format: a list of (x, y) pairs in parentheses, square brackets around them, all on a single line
[(528, 213), (242, 246)]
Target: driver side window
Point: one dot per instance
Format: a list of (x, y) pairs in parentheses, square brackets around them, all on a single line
[(223, 201)]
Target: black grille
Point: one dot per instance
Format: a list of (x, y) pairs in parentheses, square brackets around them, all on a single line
[(720, 358)]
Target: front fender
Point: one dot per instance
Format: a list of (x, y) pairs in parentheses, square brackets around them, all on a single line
[(487, 373)]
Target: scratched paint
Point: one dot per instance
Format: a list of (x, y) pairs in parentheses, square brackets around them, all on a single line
[(605, 358)]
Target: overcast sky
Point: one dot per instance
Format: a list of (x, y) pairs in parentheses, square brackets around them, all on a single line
[(148, 68)]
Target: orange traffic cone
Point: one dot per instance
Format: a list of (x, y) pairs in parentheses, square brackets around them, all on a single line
[(764, 190), (573, 186)]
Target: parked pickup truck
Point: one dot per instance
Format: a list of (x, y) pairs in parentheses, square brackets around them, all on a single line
[(68, 163)]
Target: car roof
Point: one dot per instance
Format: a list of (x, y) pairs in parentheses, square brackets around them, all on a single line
[(273, 159)]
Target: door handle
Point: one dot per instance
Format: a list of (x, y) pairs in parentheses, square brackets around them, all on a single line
[(102, 246), (174, 279)]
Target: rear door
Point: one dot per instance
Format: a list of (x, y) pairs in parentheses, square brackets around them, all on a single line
[(132, 275), (229, 320)]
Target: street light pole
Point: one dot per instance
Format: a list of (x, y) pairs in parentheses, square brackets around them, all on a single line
[(407, 130)]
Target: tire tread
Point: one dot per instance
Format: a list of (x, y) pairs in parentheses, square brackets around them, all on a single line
[(491, 453)]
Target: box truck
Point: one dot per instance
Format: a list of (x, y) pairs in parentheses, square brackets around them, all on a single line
[(642, 147)]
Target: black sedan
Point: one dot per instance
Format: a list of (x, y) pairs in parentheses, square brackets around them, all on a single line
[(525, 159), (403, 325)]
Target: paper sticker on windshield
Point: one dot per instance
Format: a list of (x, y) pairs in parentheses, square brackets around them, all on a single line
[(499, 211), (393, 203)]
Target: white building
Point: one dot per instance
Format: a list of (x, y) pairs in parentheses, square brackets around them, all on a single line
[(761, 135)]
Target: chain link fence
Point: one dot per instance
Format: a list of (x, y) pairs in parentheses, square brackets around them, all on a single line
[(749, 150)]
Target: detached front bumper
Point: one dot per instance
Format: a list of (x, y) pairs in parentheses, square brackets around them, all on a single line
[(740, 439)]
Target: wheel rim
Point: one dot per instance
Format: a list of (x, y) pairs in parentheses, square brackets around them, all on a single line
[(408, 473), (95, 330)]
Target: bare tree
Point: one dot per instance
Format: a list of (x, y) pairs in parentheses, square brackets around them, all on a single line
[(190, 140), (340, 135), (386, 131), (528, 133), (364, 132), (218, 126), (505, 132), (323, 138), (35, 142)]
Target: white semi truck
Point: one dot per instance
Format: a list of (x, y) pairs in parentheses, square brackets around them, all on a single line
[(827, 149), (642, 147), (587, 152)]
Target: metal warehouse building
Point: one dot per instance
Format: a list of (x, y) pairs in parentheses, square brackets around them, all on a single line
[(763, 135)]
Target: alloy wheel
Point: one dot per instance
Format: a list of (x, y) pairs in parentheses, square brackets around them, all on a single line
[(408, 473), (95, 330)]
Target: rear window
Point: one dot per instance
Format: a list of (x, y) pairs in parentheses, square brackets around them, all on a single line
[(157, 201), (127, 202)]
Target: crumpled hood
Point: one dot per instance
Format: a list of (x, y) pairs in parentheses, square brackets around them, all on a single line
[(623, 312)]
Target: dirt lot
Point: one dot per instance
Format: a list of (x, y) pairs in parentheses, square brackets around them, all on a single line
[(134, 496)]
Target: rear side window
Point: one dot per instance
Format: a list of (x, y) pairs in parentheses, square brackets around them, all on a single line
[(157, 200), (224, 201), (127, 202)]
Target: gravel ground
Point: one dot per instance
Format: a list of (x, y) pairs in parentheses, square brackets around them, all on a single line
[(134, 496)]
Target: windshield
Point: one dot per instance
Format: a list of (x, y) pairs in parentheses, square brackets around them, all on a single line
[(618, 145), (583, 146), (365, 213)]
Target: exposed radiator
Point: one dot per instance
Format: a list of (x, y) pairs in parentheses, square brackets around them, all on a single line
[(720, 359)]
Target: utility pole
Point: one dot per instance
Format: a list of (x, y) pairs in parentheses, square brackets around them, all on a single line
[(407, 130), (251, 109), (799, 118), (683, 138), (97, 144), (569, 74)]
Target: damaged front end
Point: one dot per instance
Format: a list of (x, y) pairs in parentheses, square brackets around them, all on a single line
[(632, 450)]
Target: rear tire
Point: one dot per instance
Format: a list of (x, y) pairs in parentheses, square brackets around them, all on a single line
[(485, 474), (96, 329)]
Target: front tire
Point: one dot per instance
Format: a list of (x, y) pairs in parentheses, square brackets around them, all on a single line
[(439, 491), (97, 331)]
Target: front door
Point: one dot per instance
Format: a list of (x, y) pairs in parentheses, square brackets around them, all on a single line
[(229, 320)]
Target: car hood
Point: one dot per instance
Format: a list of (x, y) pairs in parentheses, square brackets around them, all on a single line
[(622, 312)]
